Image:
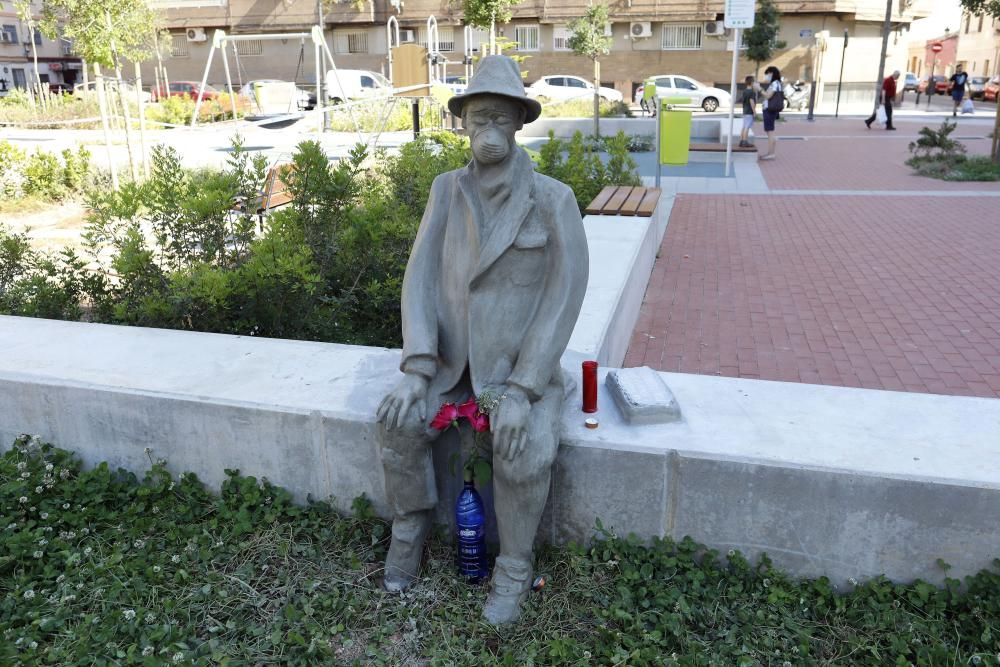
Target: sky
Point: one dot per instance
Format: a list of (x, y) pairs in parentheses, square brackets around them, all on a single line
[(944, 14)]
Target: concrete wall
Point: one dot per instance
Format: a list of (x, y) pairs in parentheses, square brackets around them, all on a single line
[(827, 480)]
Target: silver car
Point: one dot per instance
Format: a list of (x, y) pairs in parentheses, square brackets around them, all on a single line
[(700, 95)]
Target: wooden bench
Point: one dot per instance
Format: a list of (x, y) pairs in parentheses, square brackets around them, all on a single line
[(275, 193), (625, 200), (720, 148)]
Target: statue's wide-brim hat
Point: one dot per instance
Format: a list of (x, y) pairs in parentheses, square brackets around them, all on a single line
[(497, 75)]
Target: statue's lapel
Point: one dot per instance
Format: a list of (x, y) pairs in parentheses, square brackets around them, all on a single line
[(501, 232)]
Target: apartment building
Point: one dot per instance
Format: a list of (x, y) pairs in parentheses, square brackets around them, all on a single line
[(979, 45), (56, 63), (650, 37)]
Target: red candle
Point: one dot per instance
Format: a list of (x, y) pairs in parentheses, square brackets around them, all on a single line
[(590, 386)]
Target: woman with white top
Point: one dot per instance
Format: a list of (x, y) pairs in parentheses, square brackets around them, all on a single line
[(774, 99)]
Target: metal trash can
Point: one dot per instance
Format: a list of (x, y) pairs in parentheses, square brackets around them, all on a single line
[(675, 131)]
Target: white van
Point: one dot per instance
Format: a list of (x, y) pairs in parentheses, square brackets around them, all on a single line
[(355, 84)]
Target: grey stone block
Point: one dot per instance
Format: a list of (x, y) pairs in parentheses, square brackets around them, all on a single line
[(642, 396), (626, 490)]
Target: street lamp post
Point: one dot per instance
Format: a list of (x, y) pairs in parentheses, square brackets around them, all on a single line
[(840, 80)]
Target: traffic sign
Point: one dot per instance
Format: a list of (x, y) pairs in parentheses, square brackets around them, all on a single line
[(738, 14), (936, 47)]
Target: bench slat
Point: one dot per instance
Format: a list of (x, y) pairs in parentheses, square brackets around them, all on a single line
[(632, 203), (596, 207), (649, 201), (615, 203)]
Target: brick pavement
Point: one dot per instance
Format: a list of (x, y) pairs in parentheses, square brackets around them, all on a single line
[(899, 293), (840, 154)]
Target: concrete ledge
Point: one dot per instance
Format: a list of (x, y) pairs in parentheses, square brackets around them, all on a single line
[(834, 481)]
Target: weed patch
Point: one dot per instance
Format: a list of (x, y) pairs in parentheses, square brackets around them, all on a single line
[(101, 567)]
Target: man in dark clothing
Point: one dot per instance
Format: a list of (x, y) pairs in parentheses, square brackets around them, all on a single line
[(958, 82), (888, 95)]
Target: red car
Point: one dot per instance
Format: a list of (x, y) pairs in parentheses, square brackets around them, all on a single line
[(991, 90), (940, 85), (189, 88)]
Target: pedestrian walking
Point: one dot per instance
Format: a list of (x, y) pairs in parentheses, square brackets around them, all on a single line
[(888, 96), (749, 110), (773, 96), (959, 80)]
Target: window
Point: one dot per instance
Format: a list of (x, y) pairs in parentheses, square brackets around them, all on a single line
[(680, 37), (179, 51), (38, 37), (575, 83), (367, 81), (9, 34), (665, 82), (478, 38), (683, 84), (250, 47), (446, 38), (526, 37), (354, 41), (981, 17), (555, 81), (560, 38)]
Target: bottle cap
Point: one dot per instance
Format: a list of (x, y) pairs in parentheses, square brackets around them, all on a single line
[(591, 422)]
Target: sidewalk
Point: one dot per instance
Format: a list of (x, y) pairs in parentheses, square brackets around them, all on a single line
[(896, 291)]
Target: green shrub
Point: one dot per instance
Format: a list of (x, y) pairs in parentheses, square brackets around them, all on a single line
[(12, 163), (578, 164), (43, 176), (582, 108), (937, 155)]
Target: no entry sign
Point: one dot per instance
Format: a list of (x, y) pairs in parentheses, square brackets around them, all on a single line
[(936, 47)]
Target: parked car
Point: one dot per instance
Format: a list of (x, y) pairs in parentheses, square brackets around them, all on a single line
[(676, 85), (976, 87), (355, 84), (991, 90), (182, 88), (90, 88), (303, 98), (910, 82), (456, 84), (60, 89), (567, 87), (940, 85)]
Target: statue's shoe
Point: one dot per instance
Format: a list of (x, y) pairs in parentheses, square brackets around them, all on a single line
[(508, 590), (402, 563)]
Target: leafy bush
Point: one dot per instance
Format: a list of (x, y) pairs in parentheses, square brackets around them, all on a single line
[(36, 285), (178, 109), (937, 155), (101, 567), (41, 174), (582, 108), (371, 116), (17, 109), (578, 164)]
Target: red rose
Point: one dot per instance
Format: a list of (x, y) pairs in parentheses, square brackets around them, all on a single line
[(480, 422), (447, 416)]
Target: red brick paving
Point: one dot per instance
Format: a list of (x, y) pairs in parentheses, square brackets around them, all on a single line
[(840, 154), (898, 293)]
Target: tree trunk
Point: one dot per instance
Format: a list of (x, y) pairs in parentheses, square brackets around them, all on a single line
[(143, 156), (597, 98), (34, 55), (103, 104), (133, 169)]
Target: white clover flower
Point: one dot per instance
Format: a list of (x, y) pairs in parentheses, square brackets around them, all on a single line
[(61, 578), (976, 660), (22, 499), (147, 450), (49, 467), (767, 582), (25, 475), (38, 554), (150, 617), (69, 598), (156, 510), (42, 542), (129, 614), (156, 568), (87, 551), (147, 651), (38, 489), (29, 594), (85, 531), (44, 515), (20, 640), (731, 553), (178, 657), (175, 559), (21, 465), (65, 506), (64, 473), (853, 581), (48, 529), (33, 645), (138, 544), (31, 509), (11, 526), (171, 487), (79, 587)]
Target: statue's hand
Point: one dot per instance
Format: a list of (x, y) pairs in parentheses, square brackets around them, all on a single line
[(410, 391), (510, 427)]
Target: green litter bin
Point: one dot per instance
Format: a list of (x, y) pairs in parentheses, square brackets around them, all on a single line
[(675, 131)]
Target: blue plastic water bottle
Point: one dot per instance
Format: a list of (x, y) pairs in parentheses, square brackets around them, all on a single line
[(470, 519)]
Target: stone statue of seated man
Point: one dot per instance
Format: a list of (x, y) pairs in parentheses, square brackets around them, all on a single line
[(491, 294)]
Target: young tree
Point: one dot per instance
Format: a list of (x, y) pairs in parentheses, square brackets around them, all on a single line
[(486, 14), (762, 38), (104, 32), (992, 9), (589, 38), (23, 10)]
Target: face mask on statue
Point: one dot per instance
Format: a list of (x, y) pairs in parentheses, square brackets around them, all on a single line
[(490, 145)]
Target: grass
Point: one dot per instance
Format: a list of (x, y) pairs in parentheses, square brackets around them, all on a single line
[(101, 568), (26, 204), (582, 108), (957, 167)]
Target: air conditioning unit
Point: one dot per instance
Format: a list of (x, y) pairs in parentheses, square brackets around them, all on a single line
[(196, 35), (640, 29), (715, 28), (407, 36)]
